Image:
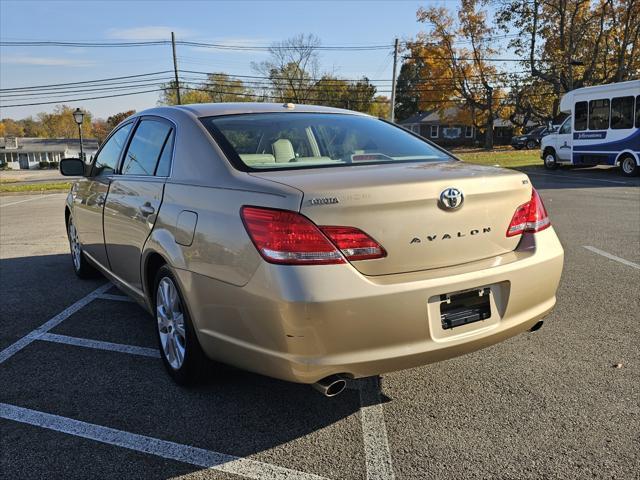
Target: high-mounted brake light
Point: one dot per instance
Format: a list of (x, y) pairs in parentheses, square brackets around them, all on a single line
[(286, 237), (529, 217)]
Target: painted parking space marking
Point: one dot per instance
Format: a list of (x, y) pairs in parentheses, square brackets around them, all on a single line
[(52, 323), (378, 461), (153, 446), (27, 200), (100, 345), (374, 431), (119, 298), (612, 257)]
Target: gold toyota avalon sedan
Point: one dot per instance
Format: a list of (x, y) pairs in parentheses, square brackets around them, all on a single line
[(309, 244)]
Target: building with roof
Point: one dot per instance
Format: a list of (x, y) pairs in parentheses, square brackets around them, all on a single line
[(446, 128), (21, 153)]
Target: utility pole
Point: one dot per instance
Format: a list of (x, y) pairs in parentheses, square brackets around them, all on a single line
[(175, 67), (393, 82), (488, 139)]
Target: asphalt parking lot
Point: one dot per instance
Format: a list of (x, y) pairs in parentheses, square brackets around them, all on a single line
[(83, 394)]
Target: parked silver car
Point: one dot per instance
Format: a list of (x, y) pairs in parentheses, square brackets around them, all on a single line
[(308, 243)]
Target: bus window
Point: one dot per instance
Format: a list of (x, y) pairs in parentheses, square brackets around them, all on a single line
[(638, 111), (580, 122), (622, 112), (599, 114)]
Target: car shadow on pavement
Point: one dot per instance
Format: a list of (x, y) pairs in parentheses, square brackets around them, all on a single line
[(567, 177), (231, 411)]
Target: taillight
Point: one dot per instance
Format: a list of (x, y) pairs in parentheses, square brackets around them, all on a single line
[(286, 237), (283, 236), (529, 217), (354, 243)]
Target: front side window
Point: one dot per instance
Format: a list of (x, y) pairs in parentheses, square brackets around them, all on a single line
[(566, 126), (107, 158), (581, 116), (599, 114), (638, 111), (306, 140), (622, 113), (145, 148)]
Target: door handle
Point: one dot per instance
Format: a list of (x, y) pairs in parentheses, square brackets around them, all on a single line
[(147, 209)]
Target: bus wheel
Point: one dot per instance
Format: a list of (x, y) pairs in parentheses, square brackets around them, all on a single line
[(628, 166), (550, 162)]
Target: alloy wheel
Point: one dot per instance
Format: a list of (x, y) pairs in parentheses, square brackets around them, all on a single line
[(170, 318), (75, 245)]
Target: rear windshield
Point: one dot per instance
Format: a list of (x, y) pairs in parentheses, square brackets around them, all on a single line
[(272, 141)]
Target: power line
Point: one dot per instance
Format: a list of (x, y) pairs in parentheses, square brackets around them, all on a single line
[(86, 81), (82, 99), (108, 88)]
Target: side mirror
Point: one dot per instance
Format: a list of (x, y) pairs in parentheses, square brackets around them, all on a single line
[(71, 167)]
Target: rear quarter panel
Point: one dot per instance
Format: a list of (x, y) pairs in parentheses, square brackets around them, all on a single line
[(221, 248)]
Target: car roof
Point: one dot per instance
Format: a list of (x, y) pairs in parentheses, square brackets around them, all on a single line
[(214, 109)]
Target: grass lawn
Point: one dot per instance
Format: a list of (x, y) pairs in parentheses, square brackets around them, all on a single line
[(35, 187), (503, 158)]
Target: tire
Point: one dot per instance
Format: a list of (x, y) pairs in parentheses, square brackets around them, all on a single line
[(81, 265), (180, 350), (628, 166), (531, 144), (517, 147), (550, 160)]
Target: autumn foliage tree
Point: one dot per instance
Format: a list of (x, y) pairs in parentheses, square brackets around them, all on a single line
[(567, 44), (453, 63)]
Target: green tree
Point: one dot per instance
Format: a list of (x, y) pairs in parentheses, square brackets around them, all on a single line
[(407, 95), (218, 87), (114, 120)]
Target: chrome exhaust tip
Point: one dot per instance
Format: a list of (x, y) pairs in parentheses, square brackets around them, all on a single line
[(330, 386), (537, 326)]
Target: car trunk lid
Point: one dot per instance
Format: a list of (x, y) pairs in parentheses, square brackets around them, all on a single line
[(400, 207)]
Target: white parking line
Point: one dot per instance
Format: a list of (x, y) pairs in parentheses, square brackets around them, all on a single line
[(611, 257), (374, 432), (100, 345), (153, 446), (27, 200), (119, 298), (52, 323)]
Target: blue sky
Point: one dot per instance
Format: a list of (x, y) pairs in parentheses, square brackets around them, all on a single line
[(232, 22)]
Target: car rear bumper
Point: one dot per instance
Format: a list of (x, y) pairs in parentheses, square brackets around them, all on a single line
[(304, 323)]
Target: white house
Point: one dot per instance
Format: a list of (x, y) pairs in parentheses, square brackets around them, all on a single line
[(27, 152)]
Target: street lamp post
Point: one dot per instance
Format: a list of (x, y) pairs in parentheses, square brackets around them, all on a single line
[(78, 116)]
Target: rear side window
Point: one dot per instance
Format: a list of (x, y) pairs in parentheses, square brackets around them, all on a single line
[(599, 114), (145, 148), (164, 165), (109, 154), (638, 111), (581, 113), (622, 112)]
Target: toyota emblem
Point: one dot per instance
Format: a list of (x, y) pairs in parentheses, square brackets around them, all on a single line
[(451, 198)]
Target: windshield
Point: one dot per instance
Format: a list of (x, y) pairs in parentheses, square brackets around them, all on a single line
[(267, 141)]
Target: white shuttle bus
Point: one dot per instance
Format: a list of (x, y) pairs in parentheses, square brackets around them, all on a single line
[(603, 128)]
